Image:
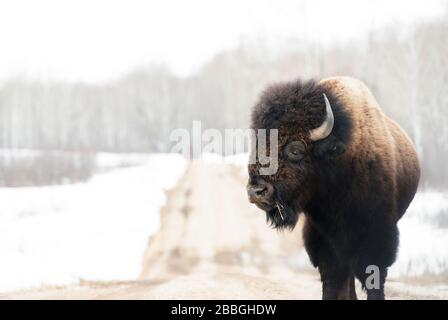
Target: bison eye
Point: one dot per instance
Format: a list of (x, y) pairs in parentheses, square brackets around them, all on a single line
[(295, 151)]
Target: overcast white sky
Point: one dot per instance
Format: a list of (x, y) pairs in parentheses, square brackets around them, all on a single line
[(99, 40)]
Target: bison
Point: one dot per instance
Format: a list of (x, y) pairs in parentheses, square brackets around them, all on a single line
[(350, 169)]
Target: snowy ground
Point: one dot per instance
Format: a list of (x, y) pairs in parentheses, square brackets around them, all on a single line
[(423, 236), (96, 230)]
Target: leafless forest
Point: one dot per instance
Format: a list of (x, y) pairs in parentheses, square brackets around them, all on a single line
[(406, 68)]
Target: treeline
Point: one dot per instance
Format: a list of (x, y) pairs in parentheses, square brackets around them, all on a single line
[(407, 71)]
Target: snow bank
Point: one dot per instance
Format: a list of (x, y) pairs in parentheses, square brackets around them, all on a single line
[(96, 230), (112, 160), (423, 236), (239, 160)]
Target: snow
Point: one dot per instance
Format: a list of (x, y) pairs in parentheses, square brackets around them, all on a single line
[(238, 160), (423, 236), (111, 160), (96, 230)]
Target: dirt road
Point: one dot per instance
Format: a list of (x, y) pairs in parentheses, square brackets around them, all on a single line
[(213, 244)]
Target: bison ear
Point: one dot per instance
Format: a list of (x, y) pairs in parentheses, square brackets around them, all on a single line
[(328, 148)]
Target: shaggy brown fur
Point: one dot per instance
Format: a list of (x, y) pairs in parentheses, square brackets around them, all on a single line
[(353, 186)]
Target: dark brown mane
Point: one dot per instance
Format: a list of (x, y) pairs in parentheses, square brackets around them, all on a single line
[(288, 104)]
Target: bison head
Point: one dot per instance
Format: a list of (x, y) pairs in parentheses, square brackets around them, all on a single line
[(313, 131)]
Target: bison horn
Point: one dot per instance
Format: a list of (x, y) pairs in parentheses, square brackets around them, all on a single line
[(327, 126)]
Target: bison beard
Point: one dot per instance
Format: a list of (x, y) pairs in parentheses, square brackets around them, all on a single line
[(281, 216)]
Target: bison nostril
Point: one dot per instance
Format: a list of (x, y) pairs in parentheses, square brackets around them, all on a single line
[(259, 192)]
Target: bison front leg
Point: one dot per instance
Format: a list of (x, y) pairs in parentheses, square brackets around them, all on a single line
[(378, 253), (336, 284), (353, 295), (374, 287), (335, 276)]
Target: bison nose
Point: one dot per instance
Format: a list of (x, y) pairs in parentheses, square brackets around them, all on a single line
[(261, 192)]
